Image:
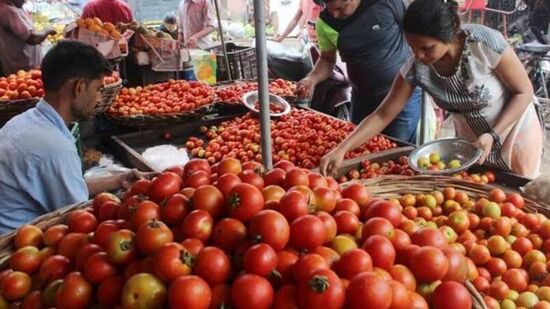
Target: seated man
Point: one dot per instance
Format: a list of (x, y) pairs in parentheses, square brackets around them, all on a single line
[(39, 165)]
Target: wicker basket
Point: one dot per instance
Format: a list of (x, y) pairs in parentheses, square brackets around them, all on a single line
[(43, 222), (10, 109), (108, 96), (151, 121)]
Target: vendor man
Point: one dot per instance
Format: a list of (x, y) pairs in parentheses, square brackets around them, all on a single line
[(40, 167), (195, 23), (19, 42), (113, 11), (369, 38)]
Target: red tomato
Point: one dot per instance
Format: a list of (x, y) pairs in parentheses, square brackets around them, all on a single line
[(270, 227), (198, 179), (54, 234), (378, 226), (33, 300), (331, 227), (293, 205), (358, 193), (401, 240), (307, 232), (109, 292), (81, 221), (26, 259), (71, 244), (381, 251), (75, 292), (106, 197), (307, 264), (104, 231), (296, 177), (323, 289), (458, 266), (84, 253), (252, 178), (286, 260), (384, 209), (429, 237), (400, 296), (198, 224), (221, 296), (53, 268), (121, 247), (346, 222), (353, 262), (228, 234), (16, 285), (144, 212), (193, 245), (285, 298), (251, 292), (163, 186), (195, 165), (213, 266), (229, 165), (108, 211), (244, 202), (174, 209), (209, 198), (325, 198), (274, 177), (152, 235), (403, 275), (349, 205), (97, 268), (368, 288), (227, 182), (189, 292), (429, 264), (451, 295), (171, 261), (260, 260)]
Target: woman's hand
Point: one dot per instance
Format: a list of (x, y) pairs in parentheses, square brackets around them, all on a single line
[(485, 142), (332, 161)]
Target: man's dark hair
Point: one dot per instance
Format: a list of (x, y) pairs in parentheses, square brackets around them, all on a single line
[(70, 59), (434, 18), (170, 18)]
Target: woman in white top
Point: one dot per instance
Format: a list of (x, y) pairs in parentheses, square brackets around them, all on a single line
[(471, 72)]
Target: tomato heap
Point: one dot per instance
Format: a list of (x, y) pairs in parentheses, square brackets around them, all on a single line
[(23, 85), (301, 137), (368, 169), (173, 96), (112, 79), (204, 236), (233, 94)]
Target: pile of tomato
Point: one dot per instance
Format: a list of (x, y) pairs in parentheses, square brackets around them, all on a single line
[(368, 169), (233, 94), (23, 85), (301, 137), (171, 97)]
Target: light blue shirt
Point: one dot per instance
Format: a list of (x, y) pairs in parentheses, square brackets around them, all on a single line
[(40, 170)]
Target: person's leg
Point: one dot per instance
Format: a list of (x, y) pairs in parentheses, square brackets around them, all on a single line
[(403, 127)]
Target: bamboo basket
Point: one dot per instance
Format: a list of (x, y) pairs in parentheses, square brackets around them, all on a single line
[(393, 186), (43, 222), (108, 96), (160, 120)]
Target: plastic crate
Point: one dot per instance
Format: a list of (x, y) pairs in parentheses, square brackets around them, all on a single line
[(242, 62), (74, 127)]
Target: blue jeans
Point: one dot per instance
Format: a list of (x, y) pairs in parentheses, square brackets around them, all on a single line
[(403, 127)]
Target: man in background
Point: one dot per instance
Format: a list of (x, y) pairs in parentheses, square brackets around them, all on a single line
[(113, 11), (195, 23)]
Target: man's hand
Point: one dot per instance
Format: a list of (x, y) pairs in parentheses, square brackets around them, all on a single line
[(127, 179), (331, 161), (191, 42), (278, 38), (305, 88)]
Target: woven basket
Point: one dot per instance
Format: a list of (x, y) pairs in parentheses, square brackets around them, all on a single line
[(108, 96), (10, 109), (43, 222), (151, 121)]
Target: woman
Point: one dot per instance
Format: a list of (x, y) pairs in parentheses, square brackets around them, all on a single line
[(471, 72)]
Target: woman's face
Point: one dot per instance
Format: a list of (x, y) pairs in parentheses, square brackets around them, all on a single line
[(426, 49)]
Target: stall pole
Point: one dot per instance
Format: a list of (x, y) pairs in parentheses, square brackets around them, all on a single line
[(220, 31), (263, 92)]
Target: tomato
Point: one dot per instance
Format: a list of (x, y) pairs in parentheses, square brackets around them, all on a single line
[(53, 235), (209, 198), (516, 199), (84, 253), (16, 285), (349, 205), (384, 209), (331, 226), (193, 245), (285, 298), (381, 251), (307, 264), (28, 235), (458, 266), (429, 237), (400, 296), (108, 211), (429, 264), (53, 268), (33, 300), (515, 279), (417, 301), (286, 260), (244, 202), (75, 292), (358, 193), (221, 296), (229, 166), (141, 186), (260, 260), (252, 178), (401, 240), (353, 262), (251, 291), (307, 232), (121, 247), (97, 268), (296, 177), (171, 261), (292, 205), (273, 193), (227, 182), (26, 259), (212, 265), (403, 275), (81, 221), (346, 222), (129, 206), (275, 177), (144, 212), (198, 224), (195, 165), (163, 186), (326, 199), (270, 227), (71, 244), (368, 288), (198, 179), (174, 209), (323, 289), (378, 226), (105, 197), (103, 231), (228, 233), (109, 292), (284, 165), (189, 292), (451, 295), (144, 291), (152, 235)]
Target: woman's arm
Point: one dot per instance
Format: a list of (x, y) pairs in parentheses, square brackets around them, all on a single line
[(373, 124)]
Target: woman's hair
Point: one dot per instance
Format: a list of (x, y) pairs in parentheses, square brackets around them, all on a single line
[(433, 18)]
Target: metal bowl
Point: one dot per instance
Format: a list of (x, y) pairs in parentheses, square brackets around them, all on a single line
[(251, 98), (448, 149)]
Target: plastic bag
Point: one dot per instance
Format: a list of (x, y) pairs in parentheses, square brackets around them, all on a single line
[(539, 189), (107, 167), (165, 156)]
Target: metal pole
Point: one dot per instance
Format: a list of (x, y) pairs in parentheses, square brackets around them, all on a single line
[(423, 119), (220, 31), (263, 92)]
